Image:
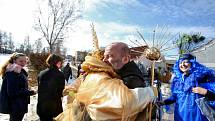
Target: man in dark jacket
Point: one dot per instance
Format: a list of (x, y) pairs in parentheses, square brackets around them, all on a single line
[(118, 56), (51, 83), (67, 71)]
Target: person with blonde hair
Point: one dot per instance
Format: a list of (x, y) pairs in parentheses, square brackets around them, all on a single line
[(14, 94)]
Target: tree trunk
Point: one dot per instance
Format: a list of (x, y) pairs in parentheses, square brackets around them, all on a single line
[(51, 48)]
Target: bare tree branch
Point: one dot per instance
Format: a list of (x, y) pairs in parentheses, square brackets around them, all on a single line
[(59, 16)]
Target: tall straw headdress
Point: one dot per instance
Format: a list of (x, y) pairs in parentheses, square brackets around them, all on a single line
[(93, 62)]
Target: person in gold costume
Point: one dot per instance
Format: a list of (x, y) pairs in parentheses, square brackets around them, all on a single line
[(101, 96)]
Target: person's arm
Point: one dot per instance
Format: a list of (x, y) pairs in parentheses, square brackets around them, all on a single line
[(144, 95), (13, 89), (170, 100), (61, 84), (202, 91), (205, 92), (210, 95), (211, 75), (71, 89), (167, 101)]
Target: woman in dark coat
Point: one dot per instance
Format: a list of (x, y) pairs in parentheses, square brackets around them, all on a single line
[(51, 83), (14, 95)]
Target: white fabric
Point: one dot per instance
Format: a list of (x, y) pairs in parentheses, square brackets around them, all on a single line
[(144, 96)]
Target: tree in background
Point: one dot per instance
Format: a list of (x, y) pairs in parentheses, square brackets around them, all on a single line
[(38, 45), (6, 42), (1, 41), (27, 45), (21, 48), (59, 48), (54, 22), (187, 43), (10, 43)]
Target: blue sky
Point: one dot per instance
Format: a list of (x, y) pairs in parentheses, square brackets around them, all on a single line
[(118, 20), (152, 12)]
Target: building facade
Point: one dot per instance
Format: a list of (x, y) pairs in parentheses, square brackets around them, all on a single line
[(205, 54)]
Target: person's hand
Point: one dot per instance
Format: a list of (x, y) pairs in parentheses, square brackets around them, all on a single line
[(69, 88), (199, 90)]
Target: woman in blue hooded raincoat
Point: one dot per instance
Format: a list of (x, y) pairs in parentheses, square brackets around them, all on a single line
[(189, 74)]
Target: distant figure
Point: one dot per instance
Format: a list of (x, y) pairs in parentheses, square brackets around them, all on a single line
[(51, 83), (14, 94), (67, 71), (79, 70)]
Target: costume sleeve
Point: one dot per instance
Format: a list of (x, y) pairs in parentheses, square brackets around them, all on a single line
[(144, 96), (209, 85), (210, 95), (170, 100), (211, 75), (108, 98), (72, 88)]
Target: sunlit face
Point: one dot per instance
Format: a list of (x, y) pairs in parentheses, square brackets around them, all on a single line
[(22, 61), (185, 66), (113, 57)]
